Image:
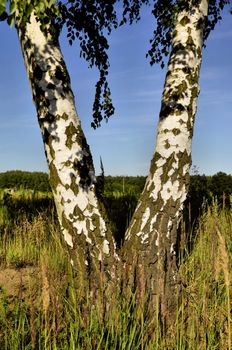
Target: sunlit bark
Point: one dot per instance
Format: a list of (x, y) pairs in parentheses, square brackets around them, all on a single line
[(153, 232), (71, 170)]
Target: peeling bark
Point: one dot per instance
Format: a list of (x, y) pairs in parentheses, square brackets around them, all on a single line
[(72, 179), (153, 232)]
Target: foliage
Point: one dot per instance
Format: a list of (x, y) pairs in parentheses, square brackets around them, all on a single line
[(119, 185), (199, 194), (202, 188), (90, 22), (165, 12), (221, 187), (46, 310), (20, 10), (120, 208), (17, 179), (13, 205), (25, 193)]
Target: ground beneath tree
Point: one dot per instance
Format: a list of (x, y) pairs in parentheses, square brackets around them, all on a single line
[(18, 282)]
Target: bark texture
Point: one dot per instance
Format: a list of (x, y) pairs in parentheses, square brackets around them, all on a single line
[(72, 178), (153, 232)]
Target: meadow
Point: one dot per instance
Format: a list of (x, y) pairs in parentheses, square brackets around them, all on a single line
[(41, 308)]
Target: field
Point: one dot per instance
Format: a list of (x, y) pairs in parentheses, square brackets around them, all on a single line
[(40, 307)]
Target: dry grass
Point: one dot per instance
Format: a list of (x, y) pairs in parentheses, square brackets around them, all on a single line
[(40, 307)]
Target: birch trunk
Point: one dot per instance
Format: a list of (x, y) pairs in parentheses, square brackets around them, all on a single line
[(70, 164), (153, 232)]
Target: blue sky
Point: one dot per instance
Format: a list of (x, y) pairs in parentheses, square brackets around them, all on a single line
[(126, 143)]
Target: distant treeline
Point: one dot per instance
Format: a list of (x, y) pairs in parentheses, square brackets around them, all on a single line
[(120, 195), (17, 179), (201, 186)]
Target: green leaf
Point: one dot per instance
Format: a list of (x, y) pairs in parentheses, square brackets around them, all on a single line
[(3, 16), (13, 7), (42, 6), (50, 3), (10, 20), (2, 6)]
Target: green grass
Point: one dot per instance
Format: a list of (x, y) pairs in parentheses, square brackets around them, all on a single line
[(207, 274), (45, 310)]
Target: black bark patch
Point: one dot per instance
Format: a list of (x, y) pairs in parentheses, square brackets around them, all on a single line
[(74, 187), (46, 137), (174, 108), (185, 20), (201, 22), (38, 73), (54, 177), (165, 111), (78, 213), (187, 70), (38, 93), (59, 74), (194, 92), (176, 131), (82, 167), (177, 48), (180, 90), (68, 163), (49, 117), (51, 86), (65, 222), (65, 116), (167, 144), (167, 167), (199, 52), (179, 108), (190, 43), (192, 78), (69, 132)]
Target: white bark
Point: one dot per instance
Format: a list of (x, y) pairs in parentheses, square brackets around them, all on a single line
[(68, 155), (165, 191), (179, 102)]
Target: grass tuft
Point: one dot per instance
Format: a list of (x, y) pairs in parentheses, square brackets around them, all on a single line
[(40, 307)]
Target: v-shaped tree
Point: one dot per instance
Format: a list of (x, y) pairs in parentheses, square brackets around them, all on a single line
[(152, 237)]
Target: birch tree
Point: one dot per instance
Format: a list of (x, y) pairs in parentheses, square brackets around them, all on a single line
[(154, 228), (152, 236), (72, 178), (153, 232), (68, 155), (71, 171)]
